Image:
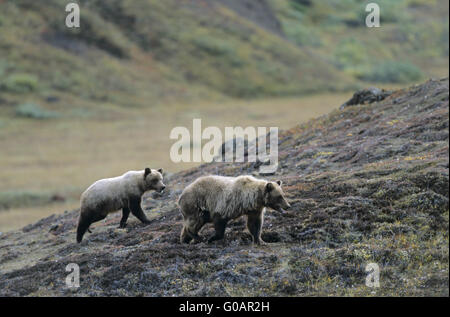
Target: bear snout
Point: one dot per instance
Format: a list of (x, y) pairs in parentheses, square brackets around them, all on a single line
[(284, 205)]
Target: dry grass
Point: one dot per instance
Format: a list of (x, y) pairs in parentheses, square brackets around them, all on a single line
[(16, 218)]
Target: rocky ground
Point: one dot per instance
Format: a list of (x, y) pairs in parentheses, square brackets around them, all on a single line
[(368, 183)]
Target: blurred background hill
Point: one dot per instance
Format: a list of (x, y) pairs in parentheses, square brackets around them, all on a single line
[(149, 51), (81, 104)]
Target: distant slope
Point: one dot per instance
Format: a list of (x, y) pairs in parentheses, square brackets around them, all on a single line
[(367, 184), (411, 43), (138, 53), (135, 53)]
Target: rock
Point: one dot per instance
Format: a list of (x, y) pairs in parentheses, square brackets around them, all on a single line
[(367, 96)]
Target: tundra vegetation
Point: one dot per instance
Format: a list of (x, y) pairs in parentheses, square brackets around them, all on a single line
[(367, 184)]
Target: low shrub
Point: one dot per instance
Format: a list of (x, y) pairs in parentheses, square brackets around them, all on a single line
[(20, 83), (34, 111), (15, 199), (212, 46), (393, 72)]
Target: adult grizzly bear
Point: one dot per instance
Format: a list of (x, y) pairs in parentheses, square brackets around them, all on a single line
[(122, 192), (218, 199)]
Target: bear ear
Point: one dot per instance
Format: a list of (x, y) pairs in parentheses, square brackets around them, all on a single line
[(279, 182), (269, 187), (147, 171), (161, 170)]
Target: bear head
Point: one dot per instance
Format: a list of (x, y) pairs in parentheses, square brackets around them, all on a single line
[(274, 196), (153, 179)]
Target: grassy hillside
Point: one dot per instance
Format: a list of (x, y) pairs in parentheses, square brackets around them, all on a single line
[(368, 183), (132, 53), (138, 53), (411, 43)]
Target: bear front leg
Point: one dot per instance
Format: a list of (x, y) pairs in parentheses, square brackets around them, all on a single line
[(125, 214), (254, 225), (136, 210), (219, 226), (185, 237)]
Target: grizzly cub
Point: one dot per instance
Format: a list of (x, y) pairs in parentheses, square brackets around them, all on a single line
[(122, 192), (218, 199)]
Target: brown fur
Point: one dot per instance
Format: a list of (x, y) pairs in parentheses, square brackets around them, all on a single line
[(219, 199), (111, 194)]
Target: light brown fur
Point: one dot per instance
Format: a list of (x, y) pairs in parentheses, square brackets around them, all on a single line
[(218, 199), (111, 194)]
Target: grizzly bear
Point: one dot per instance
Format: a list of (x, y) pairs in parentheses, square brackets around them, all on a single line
[(122, 192), (218, 199)]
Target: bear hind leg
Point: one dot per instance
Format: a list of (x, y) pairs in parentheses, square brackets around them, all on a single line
[(86, 219), (83, 225), (191, 228), (125, 214)]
